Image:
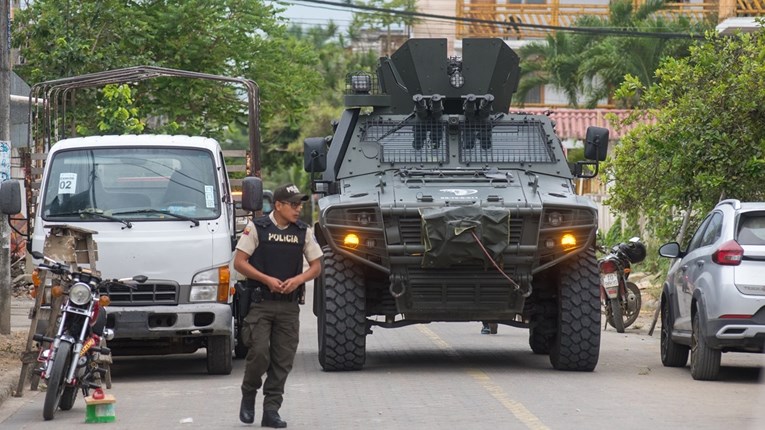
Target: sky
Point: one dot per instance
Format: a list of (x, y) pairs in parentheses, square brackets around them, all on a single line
[(311, 15)]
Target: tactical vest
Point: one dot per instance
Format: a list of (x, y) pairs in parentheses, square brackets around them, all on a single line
[(279, 252)]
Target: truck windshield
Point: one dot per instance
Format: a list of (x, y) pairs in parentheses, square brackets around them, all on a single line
[(135, 183)]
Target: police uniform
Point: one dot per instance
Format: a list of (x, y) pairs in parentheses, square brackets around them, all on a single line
[(272, 325)]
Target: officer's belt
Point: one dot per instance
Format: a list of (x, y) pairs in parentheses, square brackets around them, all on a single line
[(278, 297)]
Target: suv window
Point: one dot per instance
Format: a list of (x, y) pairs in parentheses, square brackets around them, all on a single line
[(713, 231), (751, 229), (696, 240)]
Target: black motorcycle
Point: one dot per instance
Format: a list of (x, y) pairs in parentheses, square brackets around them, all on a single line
[(620, 298), (70, 363)]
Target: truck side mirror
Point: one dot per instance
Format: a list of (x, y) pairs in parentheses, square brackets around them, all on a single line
[(10, 197), (596, 143), (315, 155), (252, 194)]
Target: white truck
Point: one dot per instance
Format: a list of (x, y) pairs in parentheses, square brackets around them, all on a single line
[(160, 205)]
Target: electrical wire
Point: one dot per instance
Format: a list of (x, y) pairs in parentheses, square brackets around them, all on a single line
[(610, 31)]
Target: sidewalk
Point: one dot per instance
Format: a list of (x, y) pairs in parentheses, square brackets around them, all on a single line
[(11, 363)]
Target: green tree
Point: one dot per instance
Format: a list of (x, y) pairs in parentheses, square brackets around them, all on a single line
[(226, 37), (555, 62), (382, 20), (116, 112), (589, 67), (708, 141)]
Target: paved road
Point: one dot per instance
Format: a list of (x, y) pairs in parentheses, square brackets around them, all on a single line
[(436, 376)]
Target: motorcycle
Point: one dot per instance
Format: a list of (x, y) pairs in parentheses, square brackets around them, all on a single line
[(71, 363), (620, 298)]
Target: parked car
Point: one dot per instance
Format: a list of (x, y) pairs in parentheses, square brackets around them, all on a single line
[(713, 299)]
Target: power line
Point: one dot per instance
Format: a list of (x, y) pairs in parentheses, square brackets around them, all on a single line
[(586, 30)]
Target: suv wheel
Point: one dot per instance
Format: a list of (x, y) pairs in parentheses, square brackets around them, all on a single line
[(705, 361), (342, 315), (672, 354), (577, 343)]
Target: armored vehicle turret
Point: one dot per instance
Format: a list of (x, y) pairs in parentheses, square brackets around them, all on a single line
[(439, 204)]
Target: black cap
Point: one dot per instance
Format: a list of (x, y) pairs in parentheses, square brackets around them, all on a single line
[(289, 193)]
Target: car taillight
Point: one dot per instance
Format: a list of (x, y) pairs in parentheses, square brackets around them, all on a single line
[(728, 254), (608, 267)]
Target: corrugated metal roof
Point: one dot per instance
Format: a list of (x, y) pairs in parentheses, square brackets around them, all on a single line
[(573, 123)]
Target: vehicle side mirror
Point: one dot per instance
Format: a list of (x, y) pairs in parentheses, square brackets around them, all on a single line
[(596, 143), (252, 194), (670, 250), (315, 154), (10, 197)]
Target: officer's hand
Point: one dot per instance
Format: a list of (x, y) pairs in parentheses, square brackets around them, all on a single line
[(273, 284), (289, 285)]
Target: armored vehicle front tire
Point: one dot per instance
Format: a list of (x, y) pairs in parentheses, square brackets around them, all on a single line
[(341, 314), (543, 327), (577, 344)]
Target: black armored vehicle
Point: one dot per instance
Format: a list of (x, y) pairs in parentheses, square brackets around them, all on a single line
[(438, 204)]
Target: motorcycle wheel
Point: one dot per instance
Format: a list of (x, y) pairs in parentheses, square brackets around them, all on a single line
[(68, 398), (631, 316), (614, 315), (56, 383)]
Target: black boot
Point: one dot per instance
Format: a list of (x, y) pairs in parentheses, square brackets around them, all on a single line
[(272, 419), (247, 410)]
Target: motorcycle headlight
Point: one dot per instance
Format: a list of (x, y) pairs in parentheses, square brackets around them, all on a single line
[(79, 294)]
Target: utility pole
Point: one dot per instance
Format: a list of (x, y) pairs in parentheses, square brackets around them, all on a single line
[(5, 142)]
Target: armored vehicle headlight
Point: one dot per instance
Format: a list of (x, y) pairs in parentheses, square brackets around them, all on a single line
[(555, 219), (456, 79), (361, 83), (549, 243), (351, 240), (568, 240), (79, 294), (364, 218)]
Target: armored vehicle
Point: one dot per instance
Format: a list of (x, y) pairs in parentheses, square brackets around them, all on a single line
[(438, 204)]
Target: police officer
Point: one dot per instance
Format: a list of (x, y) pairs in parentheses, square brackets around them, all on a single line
[(270, 254)]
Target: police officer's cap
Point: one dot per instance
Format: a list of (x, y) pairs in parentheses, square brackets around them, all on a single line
[(289, 193)]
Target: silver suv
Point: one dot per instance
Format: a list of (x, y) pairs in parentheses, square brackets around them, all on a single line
[(713, 300)]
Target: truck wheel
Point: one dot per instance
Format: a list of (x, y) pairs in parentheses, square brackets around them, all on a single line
[(342, 315), (219, 352), (577, 344), (705, 361), (543, 328)]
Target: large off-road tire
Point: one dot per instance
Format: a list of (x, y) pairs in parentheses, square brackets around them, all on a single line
[(577, 344), (705, 361), (219, 355), (543, 327), (56, 383), (342, 315), (672, 354)]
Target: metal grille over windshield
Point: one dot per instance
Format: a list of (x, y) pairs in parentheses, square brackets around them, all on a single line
[(504, 142), (409, 141)]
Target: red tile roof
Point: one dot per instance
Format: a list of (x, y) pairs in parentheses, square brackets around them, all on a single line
[(573, 123)]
